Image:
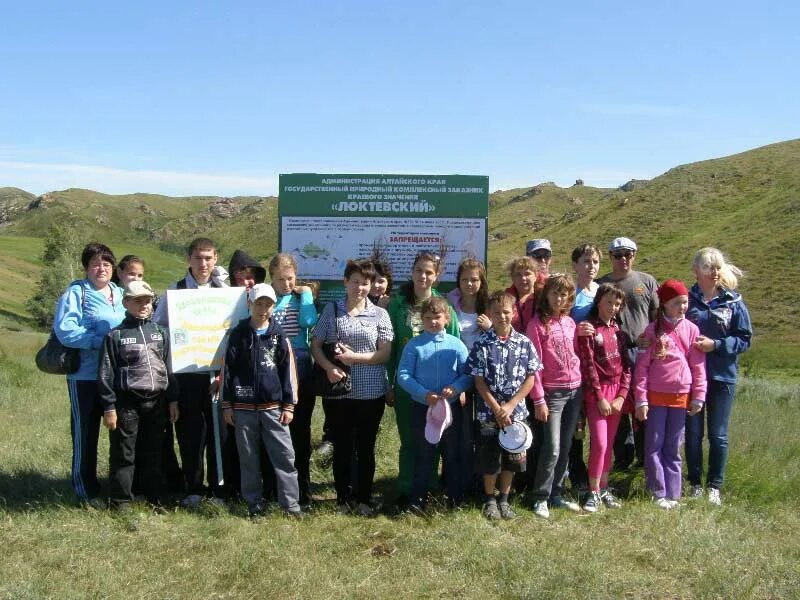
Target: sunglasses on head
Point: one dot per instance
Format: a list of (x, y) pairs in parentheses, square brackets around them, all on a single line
[(620, 255)]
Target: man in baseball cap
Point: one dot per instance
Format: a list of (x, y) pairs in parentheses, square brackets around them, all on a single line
[(541, 252), (641, 307)]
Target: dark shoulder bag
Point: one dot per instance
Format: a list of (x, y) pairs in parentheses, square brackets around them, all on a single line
[(57, 359), (323, 386)]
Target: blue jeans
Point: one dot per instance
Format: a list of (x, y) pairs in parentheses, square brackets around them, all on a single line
[(554, 438), (719, 402)]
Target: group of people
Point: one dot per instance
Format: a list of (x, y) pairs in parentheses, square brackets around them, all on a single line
[(641, 364)]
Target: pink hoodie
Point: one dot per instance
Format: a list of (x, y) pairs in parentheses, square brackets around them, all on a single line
[(555, 345), (682, 368)]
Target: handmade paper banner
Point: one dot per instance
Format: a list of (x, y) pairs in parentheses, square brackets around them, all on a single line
[(198, 322)]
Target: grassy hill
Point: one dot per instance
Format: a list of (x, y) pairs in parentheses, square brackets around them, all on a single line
[(747, 204)]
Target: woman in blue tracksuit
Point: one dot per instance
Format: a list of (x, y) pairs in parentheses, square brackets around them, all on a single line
[(85, 313), (725, 332)]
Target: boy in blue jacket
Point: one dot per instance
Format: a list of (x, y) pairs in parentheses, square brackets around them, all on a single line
[(432, 369), (259, 397)]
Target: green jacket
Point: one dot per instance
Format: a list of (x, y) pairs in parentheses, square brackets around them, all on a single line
[(407, 326)]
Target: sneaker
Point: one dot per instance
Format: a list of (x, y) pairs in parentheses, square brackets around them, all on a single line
[(256, 510), (491, 512), (673, 503), (540, 509), (123, 508), (191, 501), (696, 491), (325, 449), (561, 502), (609, 499), (364, 510), (506, 512), (95, 503), (662, 503), (295, 514), (714, 497), (593, 502), (217, 501)]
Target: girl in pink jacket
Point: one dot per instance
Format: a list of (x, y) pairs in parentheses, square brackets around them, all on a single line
[(606, 380), (669, 380), (556, 393)]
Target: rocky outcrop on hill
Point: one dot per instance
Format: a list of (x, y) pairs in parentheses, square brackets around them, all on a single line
[(224, 208), (534, 191), (634, 184), (13, 201), (42, 201)]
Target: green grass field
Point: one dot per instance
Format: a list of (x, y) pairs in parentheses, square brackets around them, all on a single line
[(748, 548)]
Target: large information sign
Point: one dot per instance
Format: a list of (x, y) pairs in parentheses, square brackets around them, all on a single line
[(198, 322), (327, 219)]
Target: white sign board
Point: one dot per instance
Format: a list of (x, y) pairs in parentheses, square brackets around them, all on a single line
[(322, 245), (198, 322)]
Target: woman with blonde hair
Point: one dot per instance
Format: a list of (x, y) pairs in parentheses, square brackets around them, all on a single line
[(725, 332)]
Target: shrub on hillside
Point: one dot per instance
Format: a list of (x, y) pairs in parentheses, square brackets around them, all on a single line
[(60, 266)]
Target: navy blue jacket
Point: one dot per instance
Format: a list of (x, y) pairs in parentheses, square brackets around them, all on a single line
[(260, 372), (726, 321)]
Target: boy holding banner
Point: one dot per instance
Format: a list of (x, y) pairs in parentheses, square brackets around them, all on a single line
[(195, 429)]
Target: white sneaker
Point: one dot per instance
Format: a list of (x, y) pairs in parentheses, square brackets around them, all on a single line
[(673, 503), (714, 497), (593, 502), (540, 509), (696, 491), (566, 503), (662, 503), (609, 499)]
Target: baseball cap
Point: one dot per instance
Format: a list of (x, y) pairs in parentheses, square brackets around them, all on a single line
[(262, 290), (134, 289), (438, 418), (622, 243), (538, 244), (515, 438)]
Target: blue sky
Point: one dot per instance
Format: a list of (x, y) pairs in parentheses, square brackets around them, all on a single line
[(212, 98)]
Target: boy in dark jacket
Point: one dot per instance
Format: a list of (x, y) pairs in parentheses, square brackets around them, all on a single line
[(134, 382), (245, 271), (259, 396)]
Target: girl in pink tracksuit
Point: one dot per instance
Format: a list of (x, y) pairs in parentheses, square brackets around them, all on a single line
[(606, 380), (556, 392), (669, 380)]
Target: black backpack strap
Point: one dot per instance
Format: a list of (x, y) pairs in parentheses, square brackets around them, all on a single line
[(181, 285)]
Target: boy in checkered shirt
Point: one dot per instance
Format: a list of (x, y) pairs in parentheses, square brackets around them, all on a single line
[(503, 363)]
